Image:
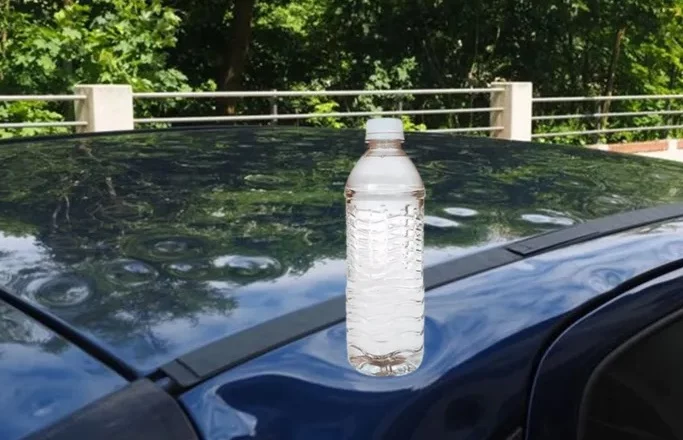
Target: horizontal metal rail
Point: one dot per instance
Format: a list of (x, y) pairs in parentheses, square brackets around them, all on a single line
[(606, 130), (311, 115), (301, 93), (42, 124), (464, 130), (601, 115), (42, 97), (603, 98), (274, 95)]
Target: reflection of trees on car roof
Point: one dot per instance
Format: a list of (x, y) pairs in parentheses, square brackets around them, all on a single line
[(188, 217), (285, 188)]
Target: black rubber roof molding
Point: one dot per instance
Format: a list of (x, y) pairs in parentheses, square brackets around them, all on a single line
[(139, 411), (214, 358)]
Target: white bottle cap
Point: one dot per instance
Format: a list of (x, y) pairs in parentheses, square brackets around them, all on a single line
[(384, 129)]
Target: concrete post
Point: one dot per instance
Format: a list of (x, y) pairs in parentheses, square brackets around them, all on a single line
[(515, 118), (105, 107), (273, 108)]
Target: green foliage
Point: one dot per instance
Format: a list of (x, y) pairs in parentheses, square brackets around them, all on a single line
[(103, 41), (108, 41), (410, 125), (29, 111), (565, 47), (398, 76)]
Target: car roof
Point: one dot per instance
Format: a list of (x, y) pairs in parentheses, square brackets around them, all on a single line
[(151, 244)]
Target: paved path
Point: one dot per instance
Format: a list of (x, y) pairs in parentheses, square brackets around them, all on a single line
[(676, 155)]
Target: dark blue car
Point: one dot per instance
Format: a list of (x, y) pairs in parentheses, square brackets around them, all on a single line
[(188, 284)]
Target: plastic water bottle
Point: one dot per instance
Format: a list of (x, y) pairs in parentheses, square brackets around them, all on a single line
[(384, 247)]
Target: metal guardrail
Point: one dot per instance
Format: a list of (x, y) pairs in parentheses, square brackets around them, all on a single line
[(274, 95), (302, 93), (275, 116), (505, 115), (603, 98), (601, 115), (598, 115), (43, 124), (44, 98), (466, 130)]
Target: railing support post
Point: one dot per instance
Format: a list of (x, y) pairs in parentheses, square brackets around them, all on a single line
[(106, 107), (273, 108), (672, 144), (515, 118)]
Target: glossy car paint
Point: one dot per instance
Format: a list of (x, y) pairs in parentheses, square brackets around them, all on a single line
[(567, 366), (153, 244), (484, 335), (43, 377)]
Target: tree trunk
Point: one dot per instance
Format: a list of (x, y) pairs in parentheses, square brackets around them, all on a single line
[(4, 32), (234, 63), (5, 24), (611, 74)]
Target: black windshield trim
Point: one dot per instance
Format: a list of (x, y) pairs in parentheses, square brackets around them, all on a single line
[(208, 361), (594, 229), (139, 411), (65, 330)]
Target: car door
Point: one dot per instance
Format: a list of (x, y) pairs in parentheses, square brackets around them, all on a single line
[(615, 372)]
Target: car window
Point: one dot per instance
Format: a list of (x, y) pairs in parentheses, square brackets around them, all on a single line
[(637, 393)]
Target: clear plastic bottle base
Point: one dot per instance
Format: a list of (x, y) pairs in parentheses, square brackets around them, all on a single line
[(389, 365)]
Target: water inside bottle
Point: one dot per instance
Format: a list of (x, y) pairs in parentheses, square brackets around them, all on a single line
[(385, 289)]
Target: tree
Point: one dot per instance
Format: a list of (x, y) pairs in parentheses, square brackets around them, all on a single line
[(104, 41), (235, 61), (565, 47)]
